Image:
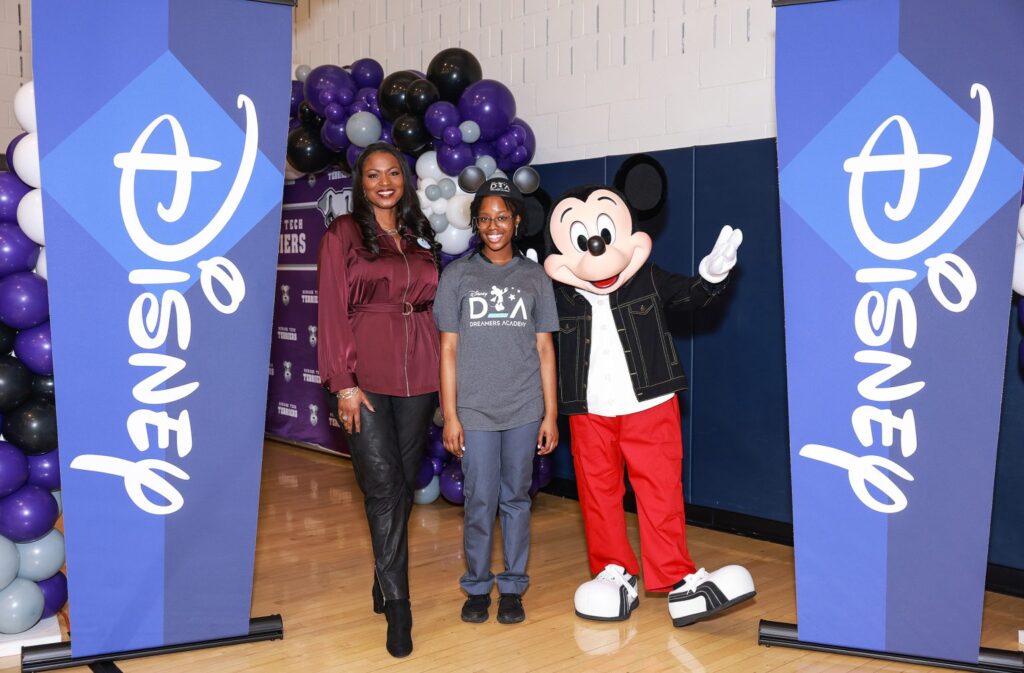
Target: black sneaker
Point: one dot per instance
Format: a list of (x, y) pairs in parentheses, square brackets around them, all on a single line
[(510, 609), (474, 610)]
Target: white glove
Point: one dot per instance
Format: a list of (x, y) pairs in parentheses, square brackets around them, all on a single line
[(719, 262)]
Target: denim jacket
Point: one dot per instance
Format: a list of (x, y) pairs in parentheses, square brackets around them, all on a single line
[(638, 310)]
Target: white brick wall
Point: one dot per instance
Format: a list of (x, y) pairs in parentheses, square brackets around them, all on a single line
[(15, 62), (593, 77)]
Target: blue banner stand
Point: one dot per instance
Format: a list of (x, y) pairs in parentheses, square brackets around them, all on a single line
[(782, 634)]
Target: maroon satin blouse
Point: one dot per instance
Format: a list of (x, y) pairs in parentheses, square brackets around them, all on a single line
[(376, 327)]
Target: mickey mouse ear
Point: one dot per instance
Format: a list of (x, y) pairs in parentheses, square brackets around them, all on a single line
[(527, 179), (471, 178), (642, 179), (537, 205)]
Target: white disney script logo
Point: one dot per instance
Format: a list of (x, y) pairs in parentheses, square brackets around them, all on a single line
[(876, 316), (149, 318)]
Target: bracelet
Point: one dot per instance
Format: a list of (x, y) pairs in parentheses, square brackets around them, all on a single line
[(347, 393)]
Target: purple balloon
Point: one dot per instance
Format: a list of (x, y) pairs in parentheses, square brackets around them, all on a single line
[(23, 301), (1020, 311), (366, 94), (435, 448), (27, 514), (519, 156), (44, 470), (11, 191), (334, 112), (345, 96), (534, 485), (352, 155), (453, 159), (334, 137), (482, 148), (437, 463), (530, 141), (14, 469), (11, 145), (294, 123), (425, 474), (18, 252), (55, 594), (325, 77), (490, 104), (439, 116), (327, 96), (518, 134), (386, 137), (452, 482), (33, 348), (452, 136), (358, 106), (433, 432), (505, 145), (367, 72)]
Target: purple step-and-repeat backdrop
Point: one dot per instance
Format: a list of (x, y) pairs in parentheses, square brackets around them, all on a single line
[(297, 408), (901, 154)]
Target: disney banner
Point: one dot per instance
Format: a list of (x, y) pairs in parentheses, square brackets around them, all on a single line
[(297, 406), (161, 137), (900, 173)]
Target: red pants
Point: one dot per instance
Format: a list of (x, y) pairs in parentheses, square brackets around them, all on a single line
[(649, 442)]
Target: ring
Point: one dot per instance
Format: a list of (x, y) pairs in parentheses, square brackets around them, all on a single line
[(344, 418)]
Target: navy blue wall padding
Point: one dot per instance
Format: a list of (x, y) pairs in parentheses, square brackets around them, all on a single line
[(735, 433)]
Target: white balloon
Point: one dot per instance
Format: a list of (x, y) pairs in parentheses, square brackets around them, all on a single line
[(425, 203), (41, 264), (426, 166), (1018, 269), (1020, 222), (458, 210), (25, 106), (26, 160), (453, 240), (30, 216), (302, 72), (439, 206)]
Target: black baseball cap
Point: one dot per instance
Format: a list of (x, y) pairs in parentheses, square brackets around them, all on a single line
[(502, 187)]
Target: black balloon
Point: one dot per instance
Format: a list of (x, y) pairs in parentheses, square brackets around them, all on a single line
[(421, 94), (42, 387), (391, 96), (15, 382), (452, 70), (7, 335), (409, 133), (306, 152), (32, 427), (309, 118)]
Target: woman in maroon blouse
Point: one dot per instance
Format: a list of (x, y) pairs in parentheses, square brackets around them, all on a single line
[(378, 353)]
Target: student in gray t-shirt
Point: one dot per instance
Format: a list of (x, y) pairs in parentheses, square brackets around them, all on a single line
[(496, 310)]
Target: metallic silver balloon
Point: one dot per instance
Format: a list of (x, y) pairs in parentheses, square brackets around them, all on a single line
[(438, 222), (21, 606), (41, 558), (447, 188), (471, 178), (526, 179)]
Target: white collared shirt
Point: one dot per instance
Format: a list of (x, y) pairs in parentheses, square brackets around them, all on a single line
[(609, 388)]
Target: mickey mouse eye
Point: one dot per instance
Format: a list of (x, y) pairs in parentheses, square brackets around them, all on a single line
[(606, 228), (578, 234)]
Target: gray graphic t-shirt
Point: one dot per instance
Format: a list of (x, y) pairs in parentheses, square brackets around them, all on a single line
[(497, 312)]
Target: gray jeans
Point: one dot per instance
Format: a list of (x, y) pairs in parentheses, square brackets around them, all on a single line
[(499, 467)]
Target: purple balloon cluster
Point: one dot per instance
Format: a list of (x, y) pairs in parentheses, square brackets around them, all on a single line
[(337, 112)]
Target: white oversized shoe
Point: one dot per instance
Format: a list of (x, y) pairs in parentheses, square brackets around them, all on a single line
[(609, 597), (704, 594)]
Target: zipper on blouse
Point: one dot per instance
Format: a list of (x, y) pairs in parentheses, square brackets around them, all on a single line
[(405, 316)]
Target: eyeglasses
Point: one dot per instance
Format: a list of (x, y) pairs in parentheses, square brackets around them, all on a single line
[(502, 220)]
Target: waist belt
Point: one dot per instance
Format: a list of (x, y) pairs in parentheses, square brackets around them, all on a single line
[(405, 308)]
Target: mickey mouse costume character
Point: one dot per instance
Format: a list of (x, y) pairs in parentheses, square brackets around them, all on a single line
[(618, 378)]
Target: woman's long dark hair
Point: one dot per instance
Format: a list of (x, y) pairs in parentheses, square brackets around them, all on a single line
[(408, 216)]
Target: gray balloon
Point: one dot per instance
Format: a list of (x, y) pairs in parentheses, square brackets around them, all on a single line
[(302, 72), (447, 188), (526, 179), (21, 606), (363, 129), (432, 192), (471, 178), (8, 561), (487, 164), (429, 493), (41, 558), (438, 222), (470, 131)]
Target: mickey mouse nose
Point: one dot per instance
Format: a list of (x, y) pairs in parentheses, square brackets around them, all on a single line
[(596, 245)]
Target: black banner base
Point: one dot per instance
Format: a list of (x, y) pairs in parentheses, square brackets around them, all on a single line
[(58, 655), (989, 660)]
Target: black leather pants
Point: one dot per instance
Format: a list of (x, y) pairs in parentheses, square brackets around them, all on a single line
[(386, 455)]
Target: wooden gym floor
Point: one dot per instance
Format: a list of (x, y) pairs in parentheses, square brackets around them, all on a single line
[(314, 567)]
